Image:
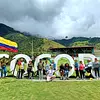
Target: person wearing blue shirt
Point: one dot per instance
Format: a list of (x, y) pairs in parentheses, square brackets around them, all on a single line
[(53, 64), (76, 69)]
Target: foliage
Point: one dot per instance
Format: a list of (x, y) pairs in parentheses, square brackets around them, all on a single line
[(68, 42), (79, 43), (98, 46), (40, 45), (24, 40)]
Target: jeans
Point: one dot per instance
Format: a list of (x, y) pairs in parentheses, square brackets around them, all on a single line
[(40, 74), (66, 73), (96, 70), (20, 73), (77, 73), (29, 71), (82, 74), (3, 70)]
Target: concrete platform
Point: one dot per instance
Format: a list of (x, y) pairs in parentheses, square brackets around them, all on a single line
[(58, 80)]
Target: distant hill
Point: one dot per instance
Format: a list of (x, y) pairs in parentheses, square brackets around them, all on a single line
[(4, 30), (69, 42), (40, 45)]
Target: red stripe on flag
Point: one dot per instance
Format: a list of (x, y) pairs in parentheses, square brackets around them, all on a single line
[(8, 49)]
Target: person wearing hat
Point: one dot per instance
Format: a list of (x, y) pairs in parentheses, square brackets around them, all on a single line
[(50, 74)]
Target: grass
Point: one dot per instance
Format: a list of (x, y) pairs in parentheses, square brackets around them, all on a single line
[(13, 89)]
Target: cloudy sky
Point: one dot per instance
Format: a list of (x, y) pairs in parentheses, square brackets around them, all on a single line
[(53, 18)]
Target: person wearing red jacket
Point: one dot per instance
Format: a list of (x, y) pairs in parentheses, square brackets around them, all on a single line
[(81, 69)]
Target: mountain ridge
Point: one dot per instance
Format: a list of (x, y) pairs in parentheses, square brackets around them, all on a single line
[(24, 41)]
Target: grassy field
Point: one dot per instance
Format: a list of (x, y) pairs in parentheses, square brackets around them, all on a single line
[(13, 89)]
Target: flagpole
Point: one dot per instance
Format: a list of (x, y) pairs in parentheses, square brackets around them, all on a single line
[(32, 47)]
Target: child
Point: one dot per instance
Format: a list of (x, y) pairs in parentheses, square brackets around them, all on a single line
[(50, 74), (81, 69)]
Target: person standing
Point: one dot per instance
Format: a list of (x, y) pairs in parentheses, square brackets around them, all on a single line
[(19, 69), (40, 69), (22, 67), (0, 69), (67, 68), (96, 66), (81, 69), (30, 69), (76, 68), (52, 63), (3, 66), (47, 66)]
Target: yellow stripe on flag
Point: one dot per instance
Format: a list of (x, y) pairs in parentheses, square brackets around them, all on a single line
[(8, 42)]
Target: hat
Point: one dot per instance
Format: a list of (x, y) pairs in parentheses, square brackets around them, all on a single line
[(89, 59)]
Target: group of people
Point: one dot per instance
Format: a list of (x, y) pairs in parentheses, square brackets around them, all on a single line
[(44, 68), (90, 67), (21, 67), (64, 69), (48, 68)]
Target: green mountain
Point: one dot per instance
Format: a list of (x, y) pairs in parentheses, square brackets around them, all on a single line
[(77, 41), (25, 41), (4, 30)]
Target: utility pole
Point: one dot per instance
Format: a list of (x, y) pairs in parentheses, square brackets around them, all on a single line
[(32, 47)]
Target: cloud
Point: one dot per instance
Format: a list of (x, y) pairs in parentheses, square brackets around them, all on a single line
[(52, 18)]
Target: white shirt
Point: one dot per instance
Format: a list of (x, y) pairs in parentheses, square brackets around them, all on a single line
[(50, 72), (90, 64)]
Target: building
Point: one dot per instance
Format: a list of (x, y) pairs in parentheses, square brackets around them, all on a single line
[(73, 51)]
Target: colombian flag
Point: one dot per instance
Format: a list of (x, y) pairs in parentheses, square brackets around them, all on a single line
[(8, 45)]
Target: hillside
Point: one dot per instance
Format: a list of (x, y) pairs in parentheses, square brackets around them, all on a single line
[(40, 45), (69, 42), (4, 30)]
